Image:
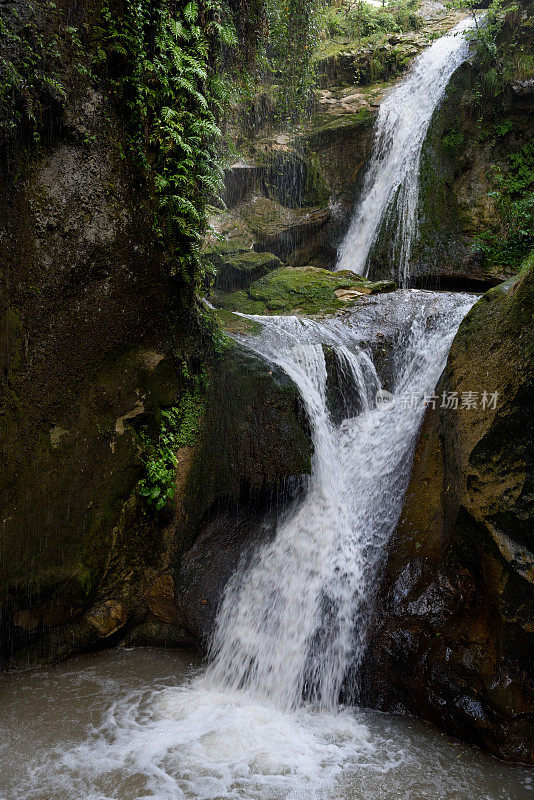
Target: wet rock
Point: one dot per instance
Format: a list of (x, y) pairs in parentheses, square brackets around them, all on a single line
[(306, 290), (342, 401), (279, 229), (523, 93), (107, 618), (348, 63), (236, 269), (240, 179), (225, 544), (160, 598), (252, 458), (453, 639)]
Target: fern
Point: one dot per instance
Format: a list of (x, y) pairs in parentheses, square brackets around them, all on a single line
[(170, 101), (191, 12)]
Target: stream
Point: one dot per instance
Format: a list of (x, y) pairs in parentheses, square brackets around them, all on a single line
[(134, 724)]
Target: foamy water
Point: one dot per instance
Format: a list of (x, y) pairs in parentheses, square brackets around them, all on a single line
[(293, 624), (263, 721), (142, 724), (134, 725)]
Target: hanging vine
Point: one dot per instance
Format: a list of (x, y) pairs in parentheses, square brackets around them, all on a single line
[(157, 56)]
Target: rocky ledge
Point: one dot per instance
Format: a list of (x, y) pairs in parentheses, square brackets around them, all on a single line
[(302, 290)]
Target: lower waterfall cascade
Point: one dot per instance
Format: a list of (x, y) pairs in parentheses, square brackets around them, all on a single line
[(293, 623), (390, 189), (263, 721)]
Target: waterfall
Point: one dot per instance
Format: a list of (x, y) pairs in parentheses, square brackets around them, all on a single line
[(292, 623), (263, 721), (390, 189)]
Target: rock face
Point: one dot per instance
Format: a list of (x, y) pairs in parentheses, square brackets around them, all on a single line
[(453, 636), (236, 267), (295, 192), (252, 456), (94, 329), (85, 355)]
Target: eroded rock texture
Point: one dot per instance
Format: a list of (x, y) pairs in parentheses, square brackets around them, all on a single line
[(253, 453), (453, 636)]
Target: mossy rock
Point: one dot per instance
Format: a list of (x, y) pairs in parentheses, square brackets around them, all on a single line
[(293, 179), (346, 63), (239, 302), (236, 324), (237, 267), (305, 290), (326, 127), (280, 229)]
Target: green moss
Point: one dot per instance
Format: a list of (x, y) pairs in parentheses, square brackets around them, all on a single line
[(236, 268), (307, 290), (317, 191), (528, 263), (233, 323), (240, 302)]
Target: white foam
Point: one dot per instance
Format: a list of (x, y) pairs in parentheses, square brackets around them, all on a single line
[(296, 620)]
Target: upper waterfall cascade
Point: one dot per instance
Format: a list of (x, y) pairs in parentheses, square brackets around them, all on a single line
[(390, 189), (293, 623)]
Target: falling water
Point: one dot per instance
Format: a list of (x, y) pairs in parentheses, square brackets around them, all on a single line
[(292, 623), (390, 189)]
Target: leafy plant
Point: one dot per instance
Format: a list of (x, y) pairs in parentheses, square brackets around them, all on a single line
[(179, 426), (38, 51), (362, 20), (507, 243), (492, 49), (453, 140), (170, 97)]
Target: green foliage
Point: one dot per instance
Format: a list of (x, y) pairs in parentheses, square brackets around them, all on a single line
[(179, 426), (38, 52), (294, 32), (512, 238), (277, 40), (362, 20), (492, 48), (453, 141), (170, 97)]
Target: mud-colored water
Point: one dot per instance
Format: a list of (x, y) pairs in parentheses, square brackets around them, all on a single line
[(133, 725)]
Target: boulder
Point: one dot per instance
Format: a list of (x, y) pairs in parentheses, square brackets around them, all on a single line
[(280, 229), (236, 268), (252, 457), (305, 290), (453, 635)]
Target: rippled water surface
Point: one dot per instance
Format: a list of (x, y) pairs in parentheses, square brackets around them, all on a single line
[(134, 724)]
